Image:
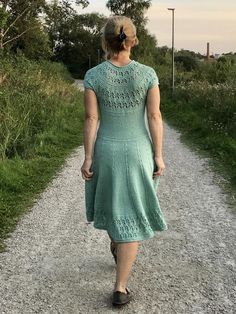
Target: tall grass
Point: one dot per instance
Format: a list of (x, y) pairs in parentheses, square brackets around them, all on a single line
[(34, 98), (41, 116)]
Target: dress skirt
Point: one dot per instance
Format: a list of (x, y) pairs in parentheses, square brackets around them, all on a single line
[(122, 196)]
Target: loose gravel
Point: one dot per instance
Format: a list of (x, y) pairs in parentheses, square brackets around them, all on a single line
[(58, 263)]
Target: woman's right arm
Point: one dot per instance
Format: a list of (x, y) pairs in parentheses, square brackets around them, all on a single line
[(155, 123)]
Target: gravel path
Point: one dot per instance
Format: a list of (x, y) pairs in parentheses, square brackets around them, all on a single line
[(57, 263)]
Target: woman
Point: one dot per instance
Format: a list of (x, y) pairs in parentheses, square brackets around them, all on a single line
[(122, 165)]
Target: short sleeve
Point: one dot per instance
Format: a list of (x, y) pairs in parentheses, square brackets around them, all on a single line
[(89, 80), (153, 78)]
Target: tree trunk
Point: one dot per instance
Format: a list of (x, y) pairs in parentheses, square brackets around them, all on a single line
[(1, 38)]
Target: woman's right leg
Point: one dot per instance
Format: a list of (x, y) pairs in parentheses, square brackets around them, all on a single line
[(126, 256)]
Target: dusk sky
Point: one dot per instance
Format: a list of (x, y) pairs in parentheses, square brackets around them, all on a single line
[(196, 23)]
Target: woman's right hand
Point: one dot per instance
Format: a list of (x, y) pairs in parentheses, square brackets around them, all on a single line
[(160, 167), (85, 169)]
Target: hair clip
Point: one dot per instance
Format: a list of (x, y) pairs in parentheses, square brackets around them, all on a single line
[(122, 35)]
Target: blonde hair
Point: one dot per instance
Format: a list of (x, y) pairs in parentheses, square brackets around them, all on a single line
[(110, 35)]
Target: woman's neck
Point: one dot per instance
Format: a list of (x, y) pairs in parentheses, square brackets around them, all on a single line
[(121, 58)]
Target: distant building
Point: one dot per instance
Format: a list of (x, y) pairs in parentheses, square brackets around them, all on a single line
[(209, 58)]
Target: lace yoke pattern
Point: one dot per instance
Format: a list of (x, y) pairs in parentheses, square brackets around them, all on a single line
[(120, 87)]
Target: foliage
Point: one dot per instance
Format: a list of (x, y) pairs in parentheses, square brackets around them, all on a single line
[(216, 72), (135, 9), (230, 56), (189, 53), (74, 37), (146, 50), (22, 28), (4, 16), (163, 56), (189, 63), (54, 30), (206, 99), (36, 103)]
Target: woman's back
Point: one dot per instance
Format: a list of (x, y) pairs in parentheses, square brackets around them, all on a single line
[(121, 93)]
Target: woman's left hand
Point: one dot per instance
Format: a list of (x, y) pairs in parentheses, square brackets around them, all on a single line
[(85, 169)]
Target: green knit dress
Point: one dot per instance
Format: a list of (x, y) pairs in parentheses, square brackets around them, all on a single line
[(122, 196)]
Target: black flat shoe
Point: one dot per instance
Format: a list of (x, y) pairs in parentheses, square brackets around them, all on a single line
[(120, 298), (113, 251)]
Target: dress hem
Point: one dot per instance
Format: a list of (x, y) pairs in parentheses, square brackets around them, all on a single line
[(149, 236)]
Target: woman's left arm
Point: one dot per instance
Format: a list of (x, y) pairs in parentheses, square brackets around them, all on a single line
[(91, 117)]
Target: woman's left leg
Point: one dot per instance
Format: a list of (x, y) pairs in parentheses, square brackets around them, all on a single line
[(126, 256)]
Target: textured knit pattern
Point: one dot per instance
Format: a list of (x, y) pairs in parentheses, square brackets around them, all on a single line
[(122, 196)]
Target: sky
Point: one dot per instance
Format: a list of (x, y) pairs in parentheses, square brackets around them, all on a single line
[(196, 23)]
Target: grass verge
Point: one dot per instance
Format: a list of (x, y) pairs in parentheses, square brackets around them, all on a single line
[(42, 125)]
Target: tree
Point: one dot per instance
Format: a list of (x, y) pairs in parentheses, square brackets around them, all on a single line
[(164, 55), (146, 50), (35, 43), (80, 38), (186, 52), (135, 9), (74, 36), (56, 19), (58, 15), (13, 13), (189, 63)]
